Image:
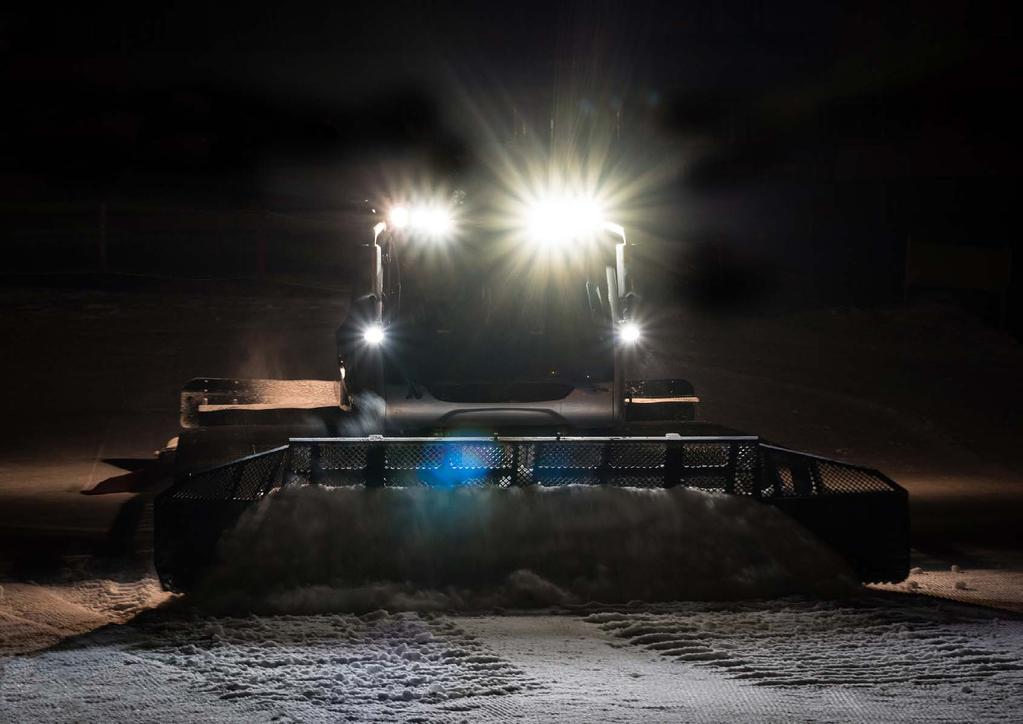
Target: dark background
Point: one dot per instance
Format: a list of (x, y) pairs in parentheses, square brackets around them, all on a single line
[(777, 155)]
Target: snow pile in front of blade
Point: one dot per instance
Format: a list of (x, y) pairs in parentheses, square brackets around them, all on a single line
[(308, 549)]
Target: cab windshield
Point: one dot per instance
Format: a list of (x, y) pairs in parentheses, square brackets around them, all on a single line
[(491, 316)]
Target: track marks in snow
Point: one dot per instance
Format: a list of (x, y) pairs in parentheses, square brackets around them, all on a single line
[(377, 666), (372, 667), (878, 658), (855, 644)]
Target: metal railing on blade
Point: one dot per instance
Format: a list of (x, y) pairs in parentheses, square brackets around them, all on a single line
[(727, 464), (738, 465)]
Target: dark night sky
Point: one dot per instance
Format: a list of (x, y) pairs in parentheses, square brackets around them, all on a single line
[(815, 135)]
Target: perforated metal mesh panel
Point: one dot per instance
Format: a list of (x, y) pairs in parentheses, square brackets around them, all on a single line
[(723, 464), (246, 479), (746, 469), (733, 465), (705, 455), (566, 456), (792, 474), (838, 478), (349, 457), (298, 464), (413, 456), (648, 455)]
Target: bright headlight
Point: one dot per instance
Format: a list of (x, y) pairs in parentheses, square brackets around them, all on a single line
[(398, 217), (564, 219), (629, 332), (433, 221), (373, 334)]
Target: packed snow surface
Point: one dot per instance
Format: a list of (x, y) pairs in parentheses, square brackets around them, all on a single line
[(868, 658), (995, 588), (33, 616), (313, 549), (826, 643)]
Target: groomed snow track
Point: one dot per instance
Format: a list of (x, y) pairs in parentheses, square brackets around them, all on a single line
[(858, 511)]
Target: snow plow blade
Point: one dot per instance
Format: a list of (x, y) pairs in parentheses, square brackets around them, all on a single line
[(858, 511)]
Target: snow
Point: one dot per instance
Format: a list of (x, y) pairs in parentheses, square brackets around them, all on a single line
[(993, 588), (799, 642), (378, 666), (866, 658), (875, 387), (35, 616), (783, 660), (314, 549)]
